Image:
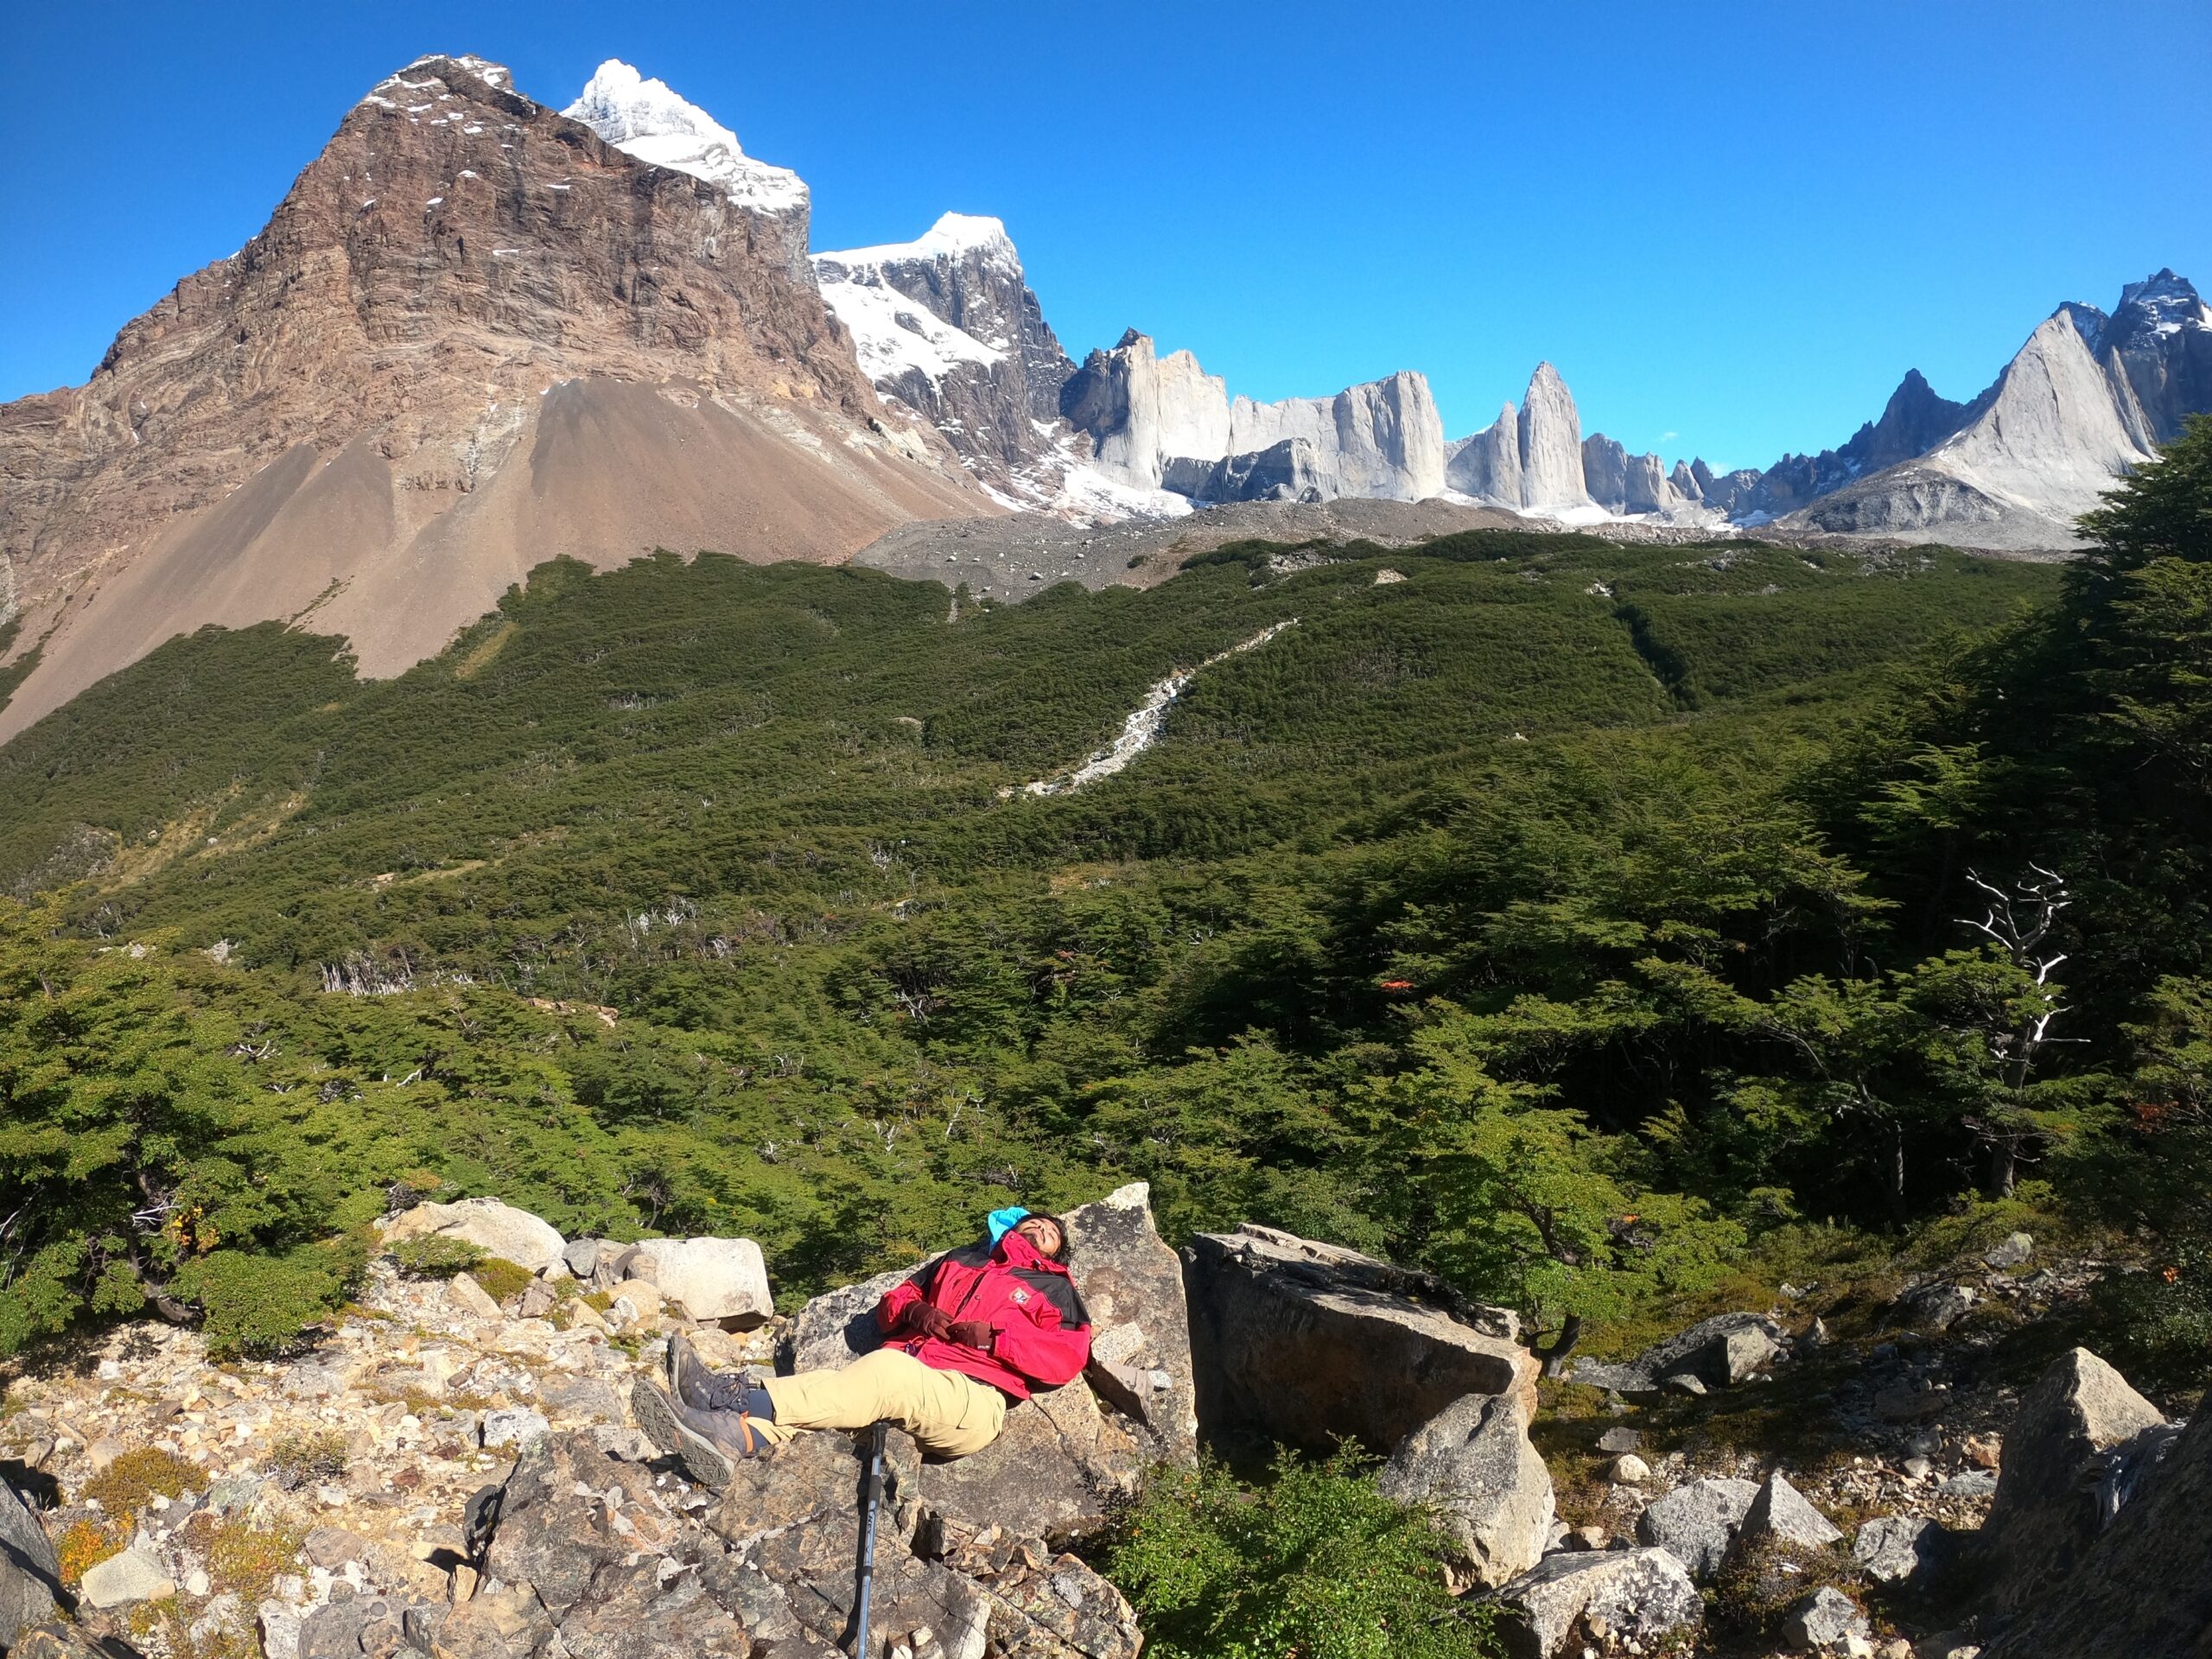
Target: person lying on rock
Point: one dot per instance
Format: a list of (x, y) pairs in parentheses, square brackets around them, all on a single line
[(964, 1338)]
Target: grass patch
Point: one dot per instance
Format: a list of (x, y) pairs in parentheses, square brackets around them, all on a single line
[(247, 1560), (502, 1280), (308, 1459)]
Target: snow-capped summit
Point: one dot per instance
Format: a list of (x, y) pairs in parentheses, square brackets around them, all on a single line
[(643, 118), (954, 237)]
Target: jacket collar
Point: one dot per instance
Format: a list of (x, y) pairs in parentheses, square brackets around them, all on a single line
[(1019, 1253)]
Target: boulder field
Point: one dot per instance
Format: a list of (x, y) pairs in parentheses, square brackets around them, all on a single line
[(448, 1472)]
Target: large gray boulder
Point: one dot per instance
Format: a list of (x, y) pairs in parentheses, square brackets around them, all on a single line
[(839, 1325), (1132, 1283), (1309, 1342), (29, 1571), (1473, 1466), (1696, 1522), (711, 1279), (2142, 1588), (497, 1229), (1642, 1596), (2074, 1424)]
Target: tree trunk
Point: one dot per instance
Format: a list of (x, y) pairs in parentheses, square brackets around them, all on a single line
[(2003, 1168), (1554, 1356)]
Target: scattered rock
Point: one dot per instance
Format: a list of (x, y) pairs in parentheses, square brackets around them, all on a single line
[(712, 1280), (2012, 1251), (1936, 1307), (1779, 1510), (1473, 1465), (1969, 1483), (516, 1425), (2045, 1512), (471, 1298), (1696, 1523), (1825, 1621), (1617, 1439), (1893, 1548), (1290, 1338), (1984, 1451), (134, 1575), (1631, 1470), (30, 1573), (1643, 1596), (497, 1229), (1718, 1352)]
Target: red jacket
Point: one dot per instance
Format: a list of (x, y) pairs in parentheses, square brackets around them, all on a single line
[(1041, 1331)]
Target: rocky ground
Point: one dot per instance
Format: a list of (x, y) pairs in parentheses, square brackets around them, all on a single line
[(454, 1466)]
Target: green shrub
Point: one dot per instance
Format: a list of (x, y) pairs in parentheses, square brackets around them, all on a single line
[(1316, 1563), (127, 1485), (260, 1304), (502, 1280), (434, 1257)]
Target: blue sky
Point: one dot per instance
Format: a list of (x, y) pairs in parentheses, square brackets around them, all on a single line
[(1732, 227)]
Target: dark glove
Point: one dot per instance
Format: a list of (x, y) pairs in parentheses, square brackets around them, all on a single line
[(973, 1333), (931, 1320)]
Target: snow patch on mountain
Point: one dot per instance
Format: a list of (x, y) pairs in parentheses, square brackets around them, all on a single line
[(643, 118), (893, 335)]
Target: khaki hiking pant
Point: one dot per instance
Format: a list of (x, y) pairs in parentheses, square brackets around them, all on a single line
[(949, 1415)]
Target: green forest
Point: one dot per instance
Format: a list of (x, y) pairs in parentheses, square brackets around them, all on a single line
[(1600, 925)]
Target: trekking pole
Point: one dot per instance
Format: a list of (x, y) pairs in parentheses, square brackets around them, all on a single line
[(874, 1501)]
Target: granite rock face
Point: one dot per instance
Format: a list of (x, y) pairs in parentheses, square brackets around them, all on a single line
[(1290, 1337), (1289, 471), (2141, 1588), (2078, 1419), (1474, 1468), (1161, 422), (29, 1571), (1550, 431)]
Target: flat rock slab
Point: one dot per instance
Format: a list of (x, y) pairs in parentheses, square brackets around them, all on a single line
[(1311, 1342), (121, 1579)]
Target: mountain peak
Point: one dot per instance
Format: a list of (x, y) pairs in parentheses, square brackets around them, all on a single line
[(953, 237), (645, 119)]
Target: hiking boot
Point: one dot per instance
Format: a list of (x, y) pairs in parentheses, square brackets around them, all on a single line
[(709, 1443), (691, 1381)]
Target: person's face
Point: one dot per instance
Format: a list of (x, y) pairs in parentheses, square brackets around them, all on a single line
[(1044, 1233)]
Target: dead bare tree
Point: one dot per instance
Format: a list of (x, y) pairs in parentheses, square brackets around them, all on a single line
[(2019, 919)]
